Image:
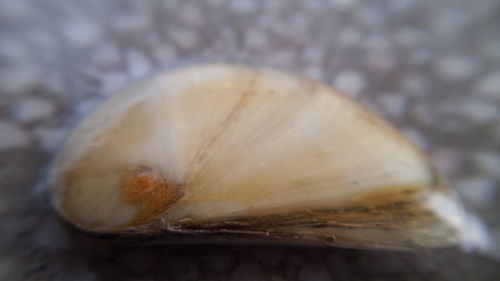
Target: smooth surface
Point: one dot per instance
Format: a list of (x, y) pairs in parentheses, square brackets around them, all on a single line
[(235, 149)]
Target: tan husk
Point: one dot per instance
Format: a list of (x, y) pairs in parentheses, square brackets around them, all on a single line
[(232, 153)]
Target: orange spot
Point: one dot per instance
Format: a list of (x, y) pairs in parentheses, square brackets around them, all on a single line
[(146, 189)]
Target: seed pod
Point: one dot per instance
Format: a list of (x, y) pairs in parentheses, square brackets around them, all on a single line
[(226, 153)]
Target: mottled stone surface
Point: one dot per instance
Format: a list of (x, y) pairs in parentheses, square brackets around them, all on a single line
[(432, 68)]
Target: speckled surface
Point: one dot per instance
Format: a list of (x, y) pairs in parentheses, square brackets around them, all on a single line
[(432, 68)]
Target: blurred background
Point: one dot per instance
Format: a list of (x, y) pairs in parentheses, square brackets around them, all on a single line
[(431, 67)]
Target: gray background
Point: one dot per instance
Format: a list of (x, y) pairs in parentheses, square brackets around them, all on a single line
[(430, 67)]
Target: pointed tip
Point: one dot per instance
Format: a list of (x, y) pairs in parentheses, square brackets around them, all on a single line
[(472, 234), (475, 236)]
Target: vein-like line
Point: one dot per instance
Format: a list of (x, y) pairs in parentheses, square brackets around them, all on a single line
[(203, 152)]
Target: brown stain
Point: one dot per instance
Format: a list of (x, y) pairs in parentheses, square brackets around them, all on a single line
[(395, 207), (147, 190)]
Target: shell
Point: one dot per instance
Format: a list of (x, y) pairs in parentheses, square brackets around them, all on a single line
[(234, 154)]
